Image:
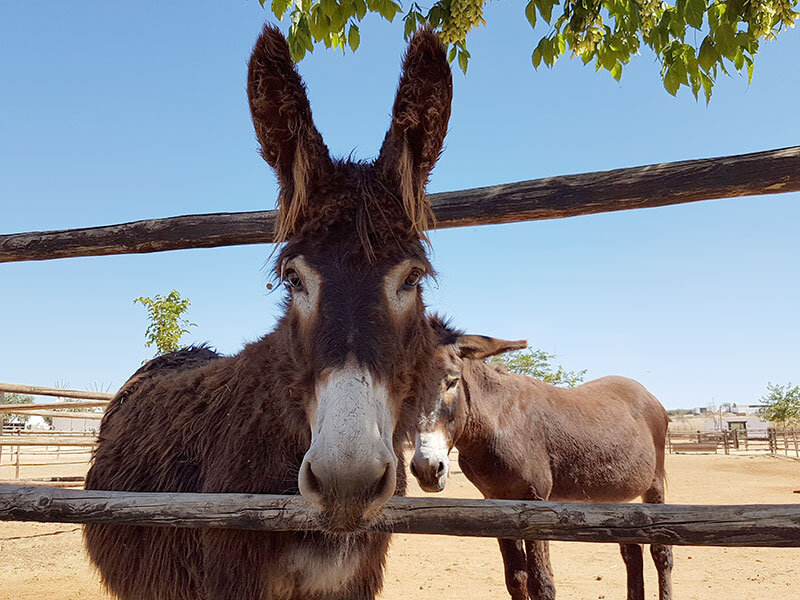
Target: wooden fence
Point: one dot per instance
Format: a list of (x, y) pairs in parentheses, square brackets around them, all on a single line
[(42, 445), (773, 441), (732, 525), (771, 172)]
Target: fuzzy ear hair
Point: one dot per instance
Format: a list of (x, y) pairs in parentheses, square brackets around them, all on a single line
[(419, 124), (281, 113), (481, 346)]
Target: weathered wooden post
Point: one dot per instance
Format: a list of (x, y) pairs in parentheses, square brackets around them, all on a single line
[(16, 465)]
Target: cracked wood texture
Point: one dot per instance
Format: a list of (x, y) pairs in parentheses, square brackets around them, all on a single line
[(740, 525), (770, 172)]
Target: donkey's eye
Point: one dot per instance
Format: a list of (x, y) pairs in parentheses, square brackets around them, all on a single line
[(293, 280), (451, 383), (412, 279)]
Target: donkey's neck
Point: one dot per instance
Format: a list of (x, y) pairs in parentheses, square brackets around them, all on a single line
[(490, 402)]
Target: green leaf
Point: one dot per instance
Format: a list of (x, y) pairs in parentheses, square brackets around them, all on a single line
[(694, 11), (536, 58), (354, 37), (560, 43), (738, 60), (749, 62), (616, 71), (451, 56), (708, 56), (279, 7), (530, 13), (708, 84), (725, 40), (361, 8), (672, 80), (546, 8), (463, 60), (410, 26)]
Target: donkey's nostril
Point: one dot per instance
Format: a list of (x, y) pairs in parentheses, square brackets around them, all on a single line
[(440, 469), (384, 480), (414, 470), (312, 481)]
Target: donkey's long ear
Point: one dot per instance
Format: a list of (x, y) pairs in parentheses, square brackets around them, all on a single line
[(282, 118), (419, 124), (481, 346)]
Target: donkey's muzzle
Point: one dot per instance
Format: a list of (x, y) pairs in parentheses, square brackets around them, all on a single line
[(350, 470)]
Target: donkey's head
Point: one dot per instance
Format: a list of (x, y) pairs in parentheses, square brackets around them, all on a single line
[(353, 262), (443, 412)]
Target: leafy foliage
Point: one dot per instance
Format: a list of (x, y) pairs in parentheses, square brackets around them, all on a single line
[(166, 326), (782, 405), (13, 398), (694, 40), (537, 363)]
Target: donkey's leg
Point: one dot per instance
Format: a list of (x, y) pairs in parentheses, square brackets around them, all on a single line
[(540, 572), (662, 555), (632, 555), (515, 566)]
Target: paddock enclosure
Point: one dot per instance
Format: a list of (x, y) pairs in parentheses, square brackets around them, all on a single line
[(770, 172)]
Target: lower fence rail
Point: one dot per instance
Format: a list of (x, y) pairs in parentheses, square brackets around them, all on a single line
[(724, 525)]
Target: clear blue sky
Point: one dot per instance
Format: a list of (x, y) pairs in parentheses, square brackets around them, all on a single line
[(112, 112)]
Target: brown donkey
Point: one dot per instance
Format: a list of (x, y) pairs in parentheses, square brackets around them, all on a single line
[(519, 438), (321, 405)]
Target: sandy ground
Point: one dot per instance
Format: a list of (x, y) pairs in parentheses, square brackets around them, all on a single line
[(54, 566)]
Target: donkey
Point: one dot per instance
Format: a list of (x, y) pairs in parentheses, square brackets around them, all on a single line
[(519, 438), (320, 406)]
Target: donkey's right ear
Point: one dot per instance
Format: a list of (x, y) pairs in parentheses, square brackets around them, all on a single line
[(281, 113), (419, 123)]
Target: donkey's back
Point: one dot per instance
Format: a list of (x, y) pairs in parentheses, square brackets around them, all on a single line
[(605, 440)]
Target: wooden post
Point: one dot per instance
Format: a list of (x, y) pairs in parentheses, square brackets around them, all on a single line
[(786, 442), (794, 439), (16, 464), (725, 443)]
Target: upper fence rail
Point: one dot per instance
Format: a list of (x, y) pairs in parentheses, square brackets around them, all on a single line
[(769, 172)]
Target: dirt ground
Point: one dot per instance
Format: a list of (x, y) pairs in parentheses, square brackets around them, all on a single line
[(41, 561)]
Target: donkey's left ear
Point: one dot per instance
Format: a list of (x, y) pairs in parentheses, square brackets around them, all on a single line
[(481, 346), (419, 123)]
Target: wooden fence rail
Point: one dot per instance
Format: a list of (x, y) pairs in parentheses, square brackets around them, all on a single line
[(101, 397), (769, 172), (742, 525)]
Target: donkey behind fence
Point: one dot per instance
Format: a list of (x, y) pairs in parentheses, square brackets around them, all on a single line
[(519, 438)]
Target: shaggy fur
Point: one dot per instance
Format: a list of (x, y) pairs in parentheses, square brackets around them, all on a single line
[(196, 422), (519, 438)]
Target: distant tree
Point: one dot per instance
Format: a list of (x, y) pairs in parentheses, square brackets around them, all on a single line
[(537, 363), (782, 405), (166, 323), (11, 398), (693, 40)]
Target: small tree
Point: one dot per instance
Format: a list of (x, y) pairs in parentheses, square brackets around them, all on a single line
[(782, 405), (11, 398), (167, 324), (537, 363)]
